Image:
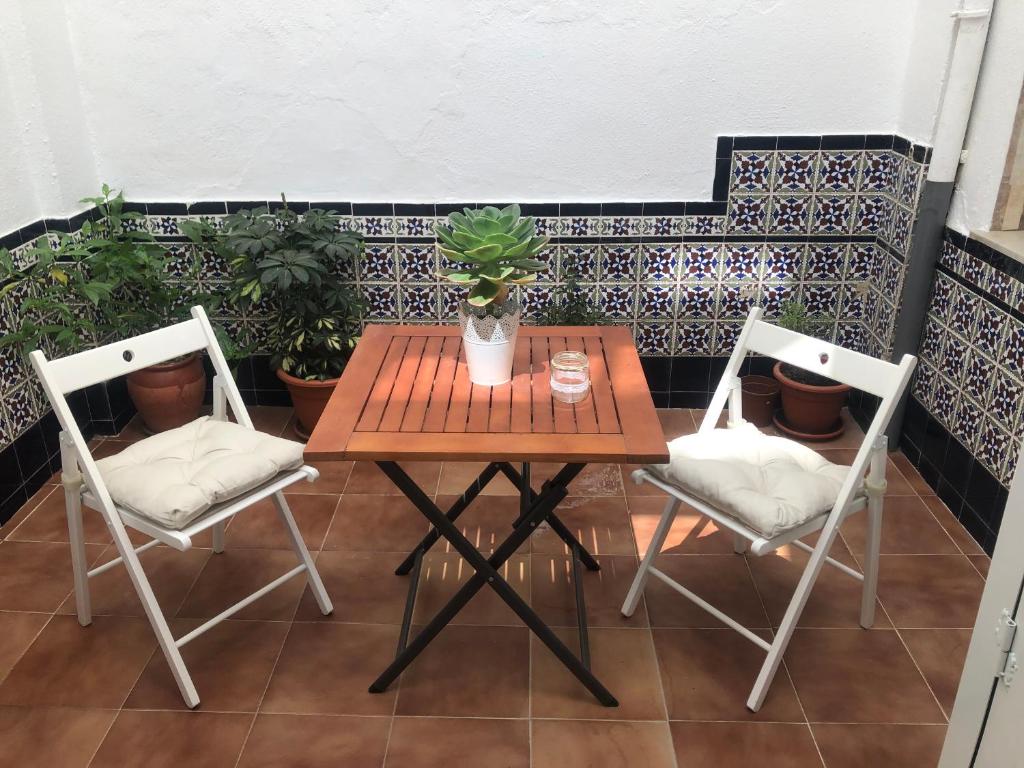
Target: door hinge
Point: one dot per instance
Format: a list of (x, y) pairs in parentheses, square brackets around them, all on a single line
[(1006, 633)]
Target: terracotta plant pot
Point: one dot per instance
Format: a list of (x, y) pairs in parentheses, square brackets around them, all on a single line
[(760, 396), (309, 398), (168, 395), (810, 412)]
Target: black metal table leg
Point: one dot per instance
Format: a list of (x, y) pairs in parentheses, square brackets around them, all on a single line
[(486, 572)]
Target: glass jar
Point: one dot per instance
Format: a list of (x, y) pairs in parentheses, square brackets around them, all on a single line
[(570, 376)]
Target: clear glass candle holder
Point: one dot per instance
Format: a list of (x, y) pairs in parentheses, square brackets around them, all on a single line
[(570, 376)]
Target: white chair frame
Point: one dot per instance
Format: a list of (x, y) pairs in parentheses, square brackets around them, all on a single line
[(84, 485), (878, 377)]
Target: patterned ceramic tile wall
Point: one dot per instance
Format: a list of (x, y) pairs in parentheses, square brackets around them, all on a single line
[(826, 219)]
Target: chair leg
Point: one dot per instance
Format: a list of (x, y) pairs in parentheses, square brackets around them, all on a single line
[(792, 615), (635, 591), (875, 487), (218, 537), (79, 563), (315, 583), (739, 544), (156, 617)]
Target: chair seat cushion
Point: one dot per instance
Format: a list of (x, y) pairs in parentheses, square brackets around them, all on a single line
[(769, 483), (175, 476)]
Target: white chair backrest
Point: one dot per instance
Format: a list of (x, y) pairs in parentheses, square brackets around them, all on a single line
[(878, 377)]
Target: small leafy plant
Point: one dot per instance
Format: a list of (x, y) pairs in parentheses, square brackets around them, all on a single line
[(498, 248), (795, 317), (109, 280), (291, 262), (569, 303)]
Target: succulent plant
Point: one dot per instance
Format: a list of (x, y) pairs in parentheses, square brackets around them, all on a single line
[(498, 248)]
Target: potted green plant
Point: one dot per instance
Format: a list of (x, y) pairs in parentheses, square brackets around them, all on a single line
[(290, 262), (569, 303), (497, 248), (108, 281), (812, 404)]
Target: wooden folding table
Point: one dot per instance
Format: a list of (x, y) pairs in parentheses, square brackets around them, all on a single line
[(406, 396)]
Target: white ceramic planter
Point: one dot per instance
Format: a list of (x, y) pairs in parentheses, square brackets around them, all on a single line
[(490, 343)]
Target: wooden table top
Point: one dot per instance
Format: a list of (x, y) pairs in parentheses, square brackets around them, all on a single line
[(405, 395)]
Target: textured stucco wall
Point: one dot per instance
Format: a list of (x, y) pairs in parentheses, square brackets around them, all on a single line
[(456, 100)]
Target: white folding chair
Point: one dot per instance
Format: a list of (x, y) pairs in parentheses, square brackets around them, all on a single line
[(83, 482), (883, 379)]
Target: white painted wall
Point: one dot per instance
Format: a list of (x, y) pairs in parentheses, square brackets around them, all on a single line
[(47, 160), (477, 100), (924, 66), (992, 116)]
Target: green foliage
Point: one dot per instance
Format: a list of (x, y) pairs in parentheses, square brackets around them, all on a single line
[(498, 248), (108, 280), (291, 263), (569, 304), (795, 317)]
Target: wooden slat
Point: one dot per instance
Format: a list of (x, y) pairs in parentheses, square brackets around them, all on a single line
[(385, 380), (641, 428), (601, 389), (424, 384), (473, 446), (565, 414), (458, 408), (346, 404), (586, 418), (437, 409), (521, 420), (501, 406), (479, 408), (404, 381), (543, 420)]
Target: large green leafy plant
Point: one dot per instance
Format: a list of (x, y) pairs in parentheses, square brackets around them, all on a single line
[(108, 280), (569, 303), (291, 262), (497, 247)]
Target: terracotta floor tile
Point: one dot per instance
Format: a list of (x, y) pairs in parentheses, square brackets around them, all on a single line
[(940, 655), (333, 478), (173, 739), (376, 523), (708, 674), (953, 527), (553, 596), (929, 590), (171, 574), (631, 489), (272, 419), (835, 597), (230, 666), (36, 576), (468, 671), (486, 523), (771, 745), (366, 477), (722, 580), (426, 742), (622, 659), (587, 743), (908, 528), (600, 524), (316, 741), (71, 665), (858, 676), (457, 476), (910, 473), (327, 669), (17, 631), (133, 431), (981, 564), (362, 586), (49, 522), (879, 746), (111, 447), (28, 507), (442, 575), (261, 526), (236, 573), (594, 480), (676, 422), (691, 533), (59, 738)]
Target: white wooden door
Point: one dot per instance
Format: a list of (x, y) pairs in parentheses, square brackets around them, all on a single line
[(986, 729)]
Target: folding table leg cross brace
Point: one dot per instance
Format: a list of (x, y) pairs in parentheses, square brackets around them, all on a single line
[(535, 508)]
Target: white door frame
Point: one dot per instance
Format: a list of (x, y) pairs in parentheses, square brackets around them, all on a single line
[(986, 658)]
